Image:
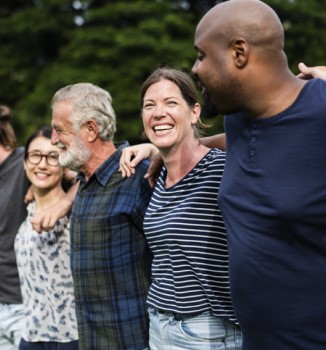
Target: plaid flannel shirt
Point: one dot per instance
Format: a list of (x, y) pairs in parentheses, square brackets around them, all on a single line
[(110, 258)]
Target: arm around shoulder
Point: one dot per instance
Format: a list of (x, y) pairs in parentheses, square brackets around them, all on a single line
[(45, 220), (218, 141), (131, 156)]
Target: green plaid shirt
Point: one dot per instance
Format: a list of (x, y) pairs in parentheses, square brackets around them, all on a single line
[(110, 258)]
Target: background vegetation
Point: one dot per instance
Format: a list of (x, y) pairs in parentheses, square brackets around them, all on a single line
[(46, 44)]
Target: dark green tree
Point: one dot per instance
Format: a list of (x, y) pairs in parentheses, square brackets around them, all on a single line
[(46, 44), (305, 30)]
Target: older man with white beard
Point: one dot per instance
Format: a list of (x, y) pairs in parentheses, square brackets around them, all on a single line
[(110, 257)]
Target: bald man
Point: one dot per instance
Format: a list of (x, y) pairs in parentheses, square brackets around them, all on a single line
[(273, 191)]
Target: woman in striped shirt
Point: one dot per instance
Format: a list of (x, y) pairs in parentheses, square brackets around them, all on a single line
[(189, 299)]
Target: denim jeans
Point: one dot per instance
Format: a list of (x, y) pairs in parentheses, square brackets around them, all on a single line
[(12, 322), (202, 332), (24, 345)]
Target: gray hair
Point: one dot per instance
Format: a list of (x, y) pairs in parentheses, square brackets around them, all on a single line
[(89, 102)]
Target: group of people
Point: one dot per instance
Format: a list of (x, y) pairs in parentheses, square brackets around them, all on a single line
[(227, 251)]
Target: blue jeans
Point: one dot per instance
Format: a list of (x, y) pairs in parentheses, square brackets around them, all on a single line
[(202, 332), (12, 322), (24, 345)]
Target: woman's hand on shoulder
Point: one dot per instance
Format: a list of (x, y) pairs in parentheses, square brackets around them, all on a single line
[(131, 156)]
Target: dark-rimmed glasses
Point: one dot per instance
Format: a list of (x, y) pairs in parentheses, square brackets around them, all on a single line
[(35, 158)]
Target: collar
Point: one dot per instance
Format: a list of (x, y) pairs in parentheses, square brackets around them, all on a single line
[(104, 172)]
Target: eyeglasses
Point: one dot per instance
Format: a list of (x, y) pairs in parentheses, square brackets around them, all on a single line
[(36, 157)]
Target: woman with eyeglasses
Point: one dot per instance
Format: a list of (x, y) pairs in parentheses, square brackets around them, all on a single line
[(43, 259)]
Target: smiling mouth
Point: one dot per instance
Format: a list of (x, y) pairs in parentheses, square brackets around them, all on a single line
[(42, 176), (162, 128)]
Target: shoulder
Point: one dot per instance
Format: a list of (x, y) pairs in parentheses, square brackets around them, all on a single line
[(316, 87), (18, 155), (215, 157), (138, 179)]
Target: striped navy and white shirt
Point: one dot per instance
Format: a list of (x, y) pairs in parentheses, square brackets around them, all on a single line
[(186, 233)]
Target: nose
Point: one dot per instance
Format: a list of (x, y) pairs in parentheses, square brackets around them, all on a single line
[(159, 111), (54, 137), (43, 162), (194, 69)]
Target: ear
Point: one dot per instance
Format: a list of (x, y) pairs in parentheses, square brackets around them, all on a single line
[(196, 110), (240, 52), (91, 130)]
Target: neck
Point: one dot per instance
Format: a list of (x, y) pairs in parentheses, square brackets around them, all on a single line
[(179, 162), (100, 152), (275, 94), (47, 197)]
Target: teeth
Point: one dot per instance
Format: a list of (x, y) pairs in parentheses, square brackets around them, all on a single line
[(41, 175), (162, 127)]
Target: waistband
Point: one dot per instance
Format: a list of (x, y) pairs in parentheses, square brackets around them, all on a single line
[(179, 316)]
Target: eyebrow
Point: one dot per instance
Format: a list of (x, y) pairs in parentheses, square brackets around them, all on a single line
[(39, 151), (165, 98)]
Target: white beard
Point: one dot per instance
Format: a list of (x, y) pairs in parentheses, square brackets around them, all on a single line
[(75, 156)]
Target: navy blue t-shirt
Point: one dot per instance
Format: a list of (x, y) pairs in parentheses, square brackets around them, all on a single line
[(273, 200)]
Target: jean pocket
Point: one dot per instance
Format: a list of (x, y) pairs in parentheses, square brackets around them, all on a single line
[(205, 327)]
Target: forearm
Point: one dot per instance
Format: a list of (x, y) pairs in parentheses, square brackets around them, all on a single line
[(45, 220), (218, 141)]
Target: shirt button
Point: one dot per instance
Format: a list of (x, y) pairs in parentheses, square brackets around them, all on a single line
[(252, 152), (253, 139)]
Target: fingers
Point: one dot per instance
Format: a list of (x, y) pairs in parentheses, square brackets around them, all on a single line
[(41, 222), (130, 158), (151, 180), (302, 67), (133, 155), (125, 162), (29, 196), (126, 170), (154, 169), (305, 72), (311, 72)]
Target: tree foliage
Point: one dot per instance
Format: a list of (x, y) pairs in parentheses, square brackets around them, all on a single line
[(46, 44)]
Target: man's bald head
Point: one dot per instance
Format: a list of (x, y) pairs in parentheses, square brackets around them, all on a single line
[(239, 42), (251, 20)]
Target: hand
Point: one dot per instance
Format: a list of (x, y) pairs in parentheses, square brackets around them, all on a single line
[(154, 169), (29, 196), (44, 220), (133, 155), (311, 72)]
